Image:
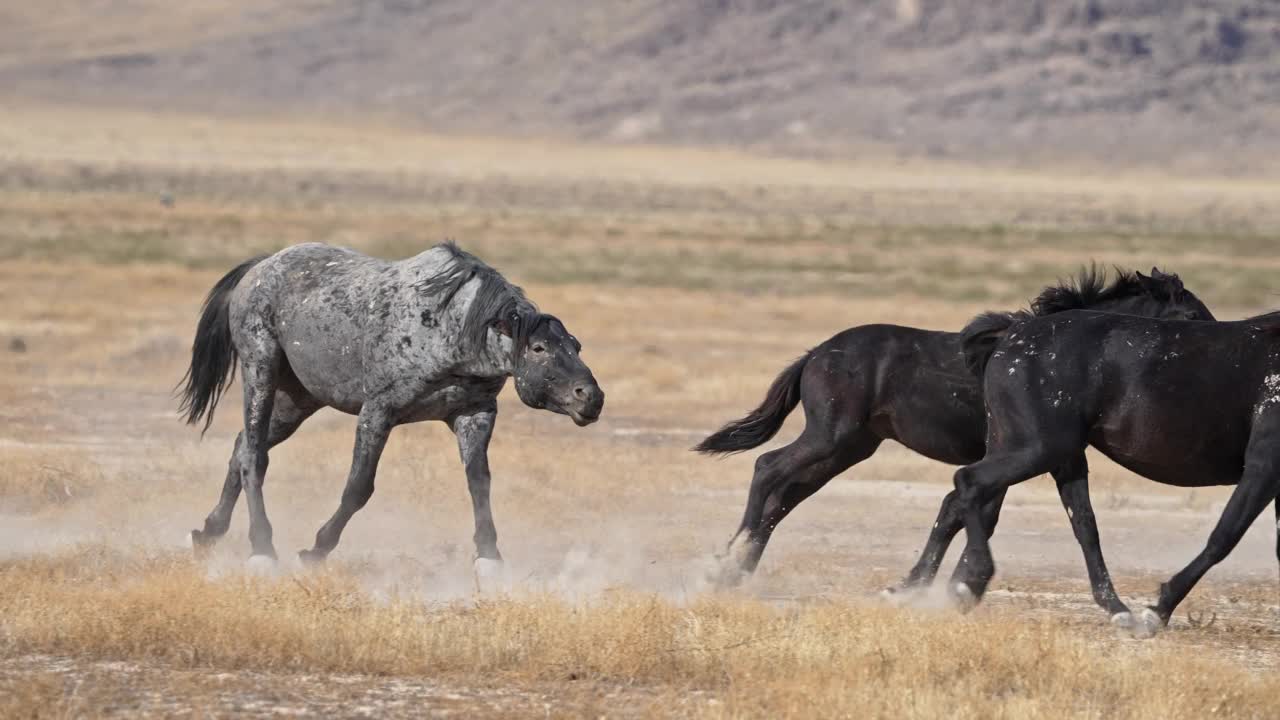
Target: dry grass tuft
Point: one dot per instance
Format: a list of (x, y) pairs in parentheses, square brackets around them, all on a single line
[(40, 478), (831, 659)]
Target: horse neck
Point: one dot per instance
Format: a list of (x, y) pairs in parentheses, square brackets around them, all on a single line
[(1125, 306), (491, 361)]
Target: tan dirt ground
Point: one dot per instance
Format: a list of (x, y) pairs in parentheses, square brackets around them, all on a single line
[(686, 313)]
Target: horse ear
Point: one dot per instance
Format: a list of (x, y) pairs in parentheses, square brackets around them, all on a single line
[(1171, 280), (1156, 286), (1175, 282)]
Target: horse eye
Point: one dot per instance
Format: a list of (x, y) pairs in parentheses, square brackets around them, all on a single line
[(539, 348)]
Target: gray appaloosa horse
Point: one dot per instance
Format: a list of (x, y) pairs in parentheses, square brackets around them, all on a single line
[(433, 337)]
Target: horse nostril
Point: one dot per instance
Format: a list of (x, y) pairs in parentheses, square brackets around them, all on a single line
[(580, 392)]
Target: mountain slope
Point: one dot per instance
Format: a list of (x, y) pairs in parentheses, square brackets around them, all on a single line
[(1178, 83)]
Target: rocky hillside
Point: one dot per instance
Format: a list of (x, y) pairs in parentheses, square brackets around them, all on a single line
[(1183, 84)]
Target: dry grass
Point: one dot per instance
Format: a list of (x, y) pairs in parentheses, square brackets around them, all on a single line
[(37, 479), (831, 660)]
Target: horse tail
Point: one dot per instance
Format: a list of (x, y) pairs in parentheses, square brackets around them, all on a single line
[(979, 338), (762, 423), (213, 356)]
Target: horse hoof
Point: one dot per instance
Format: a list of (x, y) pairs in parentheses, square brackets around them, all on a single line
[(1147, 624), (725, 577), (200, 543), (895, 597), (311, 558), (963, 598), (490, 575), (261, 565), (1122, 620)]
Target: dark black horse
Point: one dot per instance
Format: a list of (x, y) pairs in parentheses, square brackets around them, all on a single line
[(1180, 403), (874, 383)]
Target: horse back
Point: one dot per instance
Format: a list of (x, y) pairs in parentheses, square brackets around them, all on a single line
[(1173, 401)]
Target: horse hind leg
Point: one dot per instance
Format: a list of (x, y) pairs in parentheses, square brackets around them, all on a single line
[(1277, 510), (291, 408), (783, 479), (260, 378), (1258, 487)]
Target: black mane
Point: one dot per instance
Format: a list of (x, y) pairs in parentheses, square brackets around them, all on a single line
[(497, 302), (1088, 289)]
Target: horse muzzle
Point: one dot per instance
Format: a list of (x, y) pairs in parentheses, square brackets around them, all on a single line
[(585, 405)]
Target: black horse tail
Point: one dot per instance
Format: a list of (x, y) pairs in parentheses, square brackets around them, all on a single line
[(762, 423), (213, 357), (979, 338)]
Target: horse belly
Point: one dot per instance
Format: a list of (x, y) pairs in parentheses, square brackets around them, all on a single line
[(329, 368), (952, 435), (1170, 453)]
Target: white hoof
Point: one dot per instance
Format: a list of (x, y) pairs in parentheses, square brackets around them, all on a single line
[(261, 565), (963, 597), (491, 575), (1147, 624), (897, 597), (1122, 620), (724, 575)]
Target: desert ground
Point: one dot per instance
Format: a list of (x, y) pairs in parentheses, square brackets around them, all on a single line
[(691, 277)]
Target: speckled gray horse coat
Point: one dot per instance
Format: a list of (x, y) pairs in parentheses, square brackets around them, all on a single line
[(432, 337)]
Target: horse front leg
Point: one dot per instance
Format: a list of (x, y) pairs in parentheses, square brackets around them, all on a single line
[(948, 524), (1073, 489), (373, 427), (473, 430)]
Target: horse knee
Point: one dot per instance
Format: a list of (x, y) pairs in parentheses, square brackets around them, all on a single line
[(967, 493)]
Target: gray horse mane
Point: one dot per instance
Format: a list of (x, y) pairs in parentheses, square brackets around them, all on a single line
[(497, 302)]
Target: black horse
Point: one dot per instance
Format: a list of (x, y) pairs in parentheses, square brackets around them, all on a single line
[(874, 383), (1180, 403)]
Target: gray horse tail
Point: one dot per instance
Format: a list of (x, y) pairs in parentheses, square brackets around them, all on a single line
[(978, 339), (213, 356), (762, 423)]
